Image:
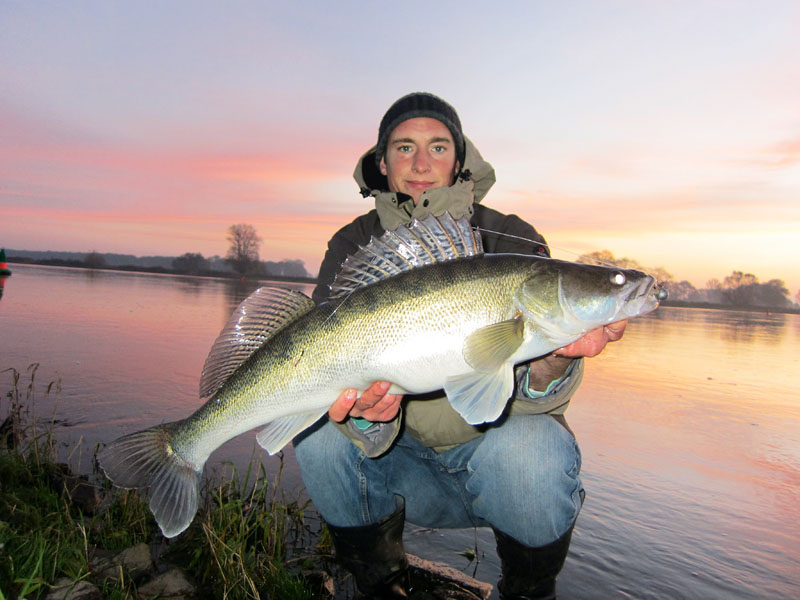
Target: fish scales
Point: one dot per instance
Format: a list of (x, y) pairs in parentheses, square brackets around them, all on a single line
[(459, 323), (382, 326)]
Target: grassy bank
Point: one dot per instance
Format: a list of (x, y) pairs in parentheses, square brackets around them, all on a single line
[(247, 540)]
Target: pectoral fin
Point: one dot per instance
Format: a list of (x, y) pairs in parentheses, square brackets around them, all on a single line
[(281, 431), (481, 397), (487, 348)]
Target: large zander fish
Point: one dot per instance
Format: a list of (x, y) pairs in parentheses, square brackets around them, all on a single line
[(422, 307)]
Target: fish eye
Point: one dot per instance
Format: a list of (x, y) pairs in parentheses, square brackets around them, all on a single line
[(617, 278)]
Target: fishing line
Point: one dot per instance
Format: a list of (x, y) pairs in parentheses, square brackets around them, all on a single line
[(338, 306), (530, 241), (538, 243)]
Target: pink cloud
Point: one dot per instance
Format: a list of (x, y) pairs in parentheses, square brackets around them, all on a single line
[(45, 164), (786, 153)]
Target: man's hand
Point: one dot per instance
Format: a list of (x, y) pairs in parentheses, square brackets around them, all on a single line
[(593, 342), (374, 404)]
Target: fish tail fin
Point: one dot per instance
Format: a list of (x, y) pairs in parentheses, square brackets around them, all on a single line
[(146, 460)]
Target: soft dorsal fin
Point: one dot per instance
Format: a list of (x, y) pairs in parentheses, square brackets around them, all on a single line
[(255, 320), (431, 240)]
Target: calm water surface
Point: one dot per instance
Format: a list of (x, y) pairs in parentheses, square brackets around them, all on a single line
[(689, 427)]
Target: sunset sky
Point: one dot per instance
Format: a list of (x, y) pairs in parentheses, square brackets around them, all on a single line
[(667, 132)]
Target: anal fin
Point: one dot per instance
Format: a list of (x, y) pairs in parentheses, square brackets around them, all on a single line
[(481, 397), (281, 431)]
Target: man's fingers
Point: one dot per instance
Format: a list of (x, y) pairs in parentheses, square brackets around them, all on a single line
[(386, 409), (594, 342), (374, 404), (614, 331), (343, 405), (372, 395), (377, 391)]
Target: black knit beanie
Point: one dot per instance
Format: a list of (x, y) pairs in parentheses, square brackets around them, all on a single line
[(420, 104)]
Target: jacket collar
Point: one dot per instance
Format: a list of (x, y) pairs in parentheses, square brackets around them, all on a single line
[(394, 209)]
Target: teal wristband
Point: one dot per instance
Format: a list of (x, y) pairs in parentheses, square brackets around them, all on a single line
[(531, 393), (361, 424)]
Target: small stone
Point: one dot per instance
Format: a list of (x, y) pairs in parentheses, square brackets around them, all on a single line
[(135, 560), (173, 585), (67, 589)]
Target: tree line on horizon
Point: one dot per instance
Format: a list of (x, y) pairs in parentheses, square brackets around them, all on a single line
[(242, 258), (737, 289)]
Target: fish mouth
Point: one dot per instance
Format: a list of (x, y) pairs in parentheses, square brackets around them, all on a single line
[(642, 298)]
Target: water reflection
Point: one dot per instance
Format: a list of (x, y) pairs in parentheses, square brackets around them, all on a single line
[(236, 291), (689, 427), (690, 435), (192, 286), (731, 326), (745, 327)]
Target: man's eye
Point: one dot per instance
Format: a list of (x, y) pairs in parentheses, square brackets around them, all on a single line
[(404, 148), (439, 149)]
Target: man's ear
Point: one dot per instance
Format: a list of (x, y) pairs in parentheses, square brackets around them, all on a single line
[(382, 166)]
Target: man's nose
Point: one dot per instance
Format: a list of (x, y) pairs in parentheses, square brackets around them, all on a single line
[(421, 162)]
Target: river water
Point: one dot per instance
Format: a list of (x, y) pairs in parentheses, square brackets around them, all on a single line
[(689, 427)]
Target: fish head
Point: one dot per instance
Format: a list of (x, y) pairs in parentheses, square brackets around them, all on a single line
[(563, 300)]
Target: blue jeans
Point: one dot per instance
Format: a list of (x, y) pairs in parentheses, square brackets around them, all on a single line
[(521, 478)]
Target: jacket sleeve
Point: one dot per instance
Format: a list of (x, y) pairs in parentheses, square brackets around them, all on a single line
[(339, 248), (554, 399), (344, 243), (375, 438)]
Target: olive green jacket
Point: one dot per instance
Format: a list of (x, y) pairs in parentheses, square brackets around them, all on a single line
[(430, 418)]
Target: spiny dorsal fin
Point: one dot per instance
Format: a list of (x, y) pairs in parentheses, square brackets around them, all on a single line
[(255, 320), (425, 242)]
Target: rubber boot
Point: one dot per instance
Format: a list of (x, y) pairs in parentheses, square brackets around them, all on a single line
[(375, 556), (529, 573)]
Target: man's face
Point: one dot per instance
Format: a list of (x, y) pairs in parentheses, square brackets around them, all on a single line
[(420, 155)]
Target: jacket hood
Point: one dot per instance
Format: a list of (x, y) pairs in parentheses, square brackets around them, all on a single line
[(472, 184)]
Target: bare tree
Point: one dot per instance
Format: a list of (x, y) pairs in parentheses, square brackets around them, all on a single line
[(245, 244), (94, 260)]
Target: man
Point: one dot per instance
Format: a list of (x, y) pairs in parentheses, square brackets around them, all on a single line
[(380, 458)]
